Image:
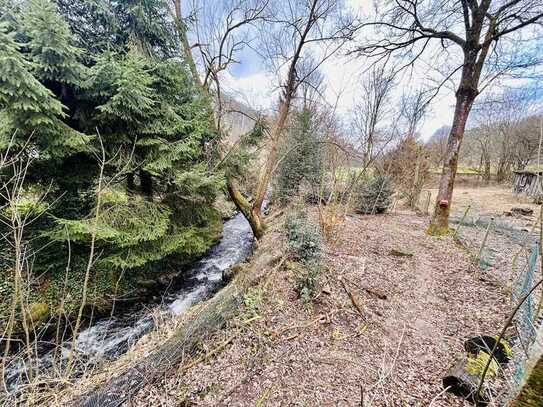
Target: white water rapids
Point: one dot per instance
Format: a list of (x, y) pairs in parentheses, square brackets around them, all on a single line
[(108, 338)]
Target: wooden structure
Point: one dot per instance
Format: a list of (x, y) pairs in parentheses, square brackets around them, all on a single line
[(528, 183)]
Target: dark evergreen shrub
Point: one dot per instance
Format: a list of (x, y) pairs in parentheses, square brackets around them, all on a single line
[(305, 246), (375, 196), (303, 238)]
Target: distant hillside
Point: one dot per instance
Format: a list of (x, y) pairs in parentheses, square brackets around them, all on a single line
[(238, 116)]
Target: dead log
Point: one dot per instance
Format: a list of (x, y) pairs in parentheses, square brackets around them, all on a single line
[(463, 382), (200, 324)]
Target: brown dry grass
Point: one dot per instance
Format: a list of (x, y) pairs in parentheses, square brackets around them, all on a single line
[(492, 200), (279, 352)]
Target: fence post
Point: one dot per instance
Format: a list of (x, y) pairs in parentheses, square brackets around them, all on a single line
[(427, 206), (462, 221), (483, 244)]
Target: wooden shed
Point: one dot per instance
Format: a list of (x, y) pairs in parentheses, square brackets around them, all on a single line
[(527, 183)]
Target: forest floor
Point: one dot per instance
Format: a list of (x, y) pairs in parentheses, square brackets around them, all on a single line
[(393, 309), (417, 309)]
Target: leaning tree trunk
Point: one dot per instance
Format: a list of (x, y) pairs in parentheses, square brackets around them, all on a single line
[(243, 205), (271, 159), (440, 221)]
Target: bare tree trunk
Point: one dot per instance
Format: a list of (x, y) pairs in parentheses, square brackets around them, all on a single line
[(146, 184), (181, 27), (271, 159), (503, 170), (440, 221), (130, 184), (486, 175), (416, 189), (481, 166)]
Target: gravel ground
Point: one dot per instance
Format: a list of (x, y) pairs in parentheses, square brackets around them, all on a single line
[(416, 311)]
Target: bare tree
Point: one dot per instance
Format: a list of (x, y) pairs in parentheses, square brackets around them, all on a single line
[(373, 109), (413, 109), (438, 145), (502, 133), (482, 31), (288, 30), (414, 106), (527, 141)]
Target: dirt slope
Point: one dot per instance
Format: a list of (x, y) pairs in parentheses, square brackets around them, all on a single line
[(279, 352)]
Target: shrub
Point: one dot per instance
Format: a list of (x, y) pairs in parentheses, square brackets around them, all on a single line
[(302, 157), (375, 196), (303, 238), (305, 247)]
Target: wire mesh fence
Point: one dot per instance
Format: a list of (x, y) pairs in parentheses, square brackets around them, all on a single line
[(510, 254), (525, 319)]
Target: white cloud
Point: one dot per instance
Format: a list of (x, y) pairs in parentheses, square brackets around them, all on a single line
[(255, 90), (260, 91)]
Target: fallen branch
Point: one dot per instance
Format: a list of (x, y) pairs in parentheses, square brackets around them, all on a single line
[(207, 355), (399, 253), (370, 291), (303, 326), (375, 293), (353, 298)]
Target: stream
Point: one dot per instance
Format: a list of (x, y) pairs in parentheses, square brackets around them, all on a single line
[(109, 338)]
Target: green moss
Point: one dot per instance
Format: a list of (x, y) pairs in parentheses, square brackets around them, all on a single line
[(38, 311), (435, 230), (506, 347), (476, 365)]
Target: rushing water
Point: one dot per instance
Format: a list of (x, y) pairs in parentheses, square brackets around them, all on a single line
[(111, 337)]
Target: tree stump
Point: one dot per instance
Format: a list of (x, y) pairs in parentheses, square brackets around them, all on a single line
[(462, 382)]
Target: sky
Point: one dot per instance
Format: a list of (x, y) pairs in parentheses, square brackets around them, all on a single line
[(252, 83)]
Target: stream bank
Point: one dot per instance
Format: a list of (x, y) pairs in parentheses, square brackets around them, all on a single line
[(108, 338)]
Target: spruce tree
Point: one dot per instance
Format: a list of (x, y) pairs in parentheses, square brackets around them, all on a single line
[(157, 207), (27, 106), (54, 58), (302, 156)]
